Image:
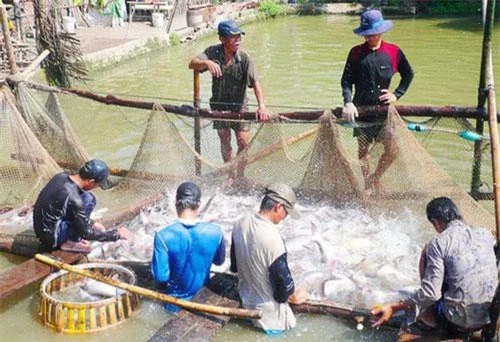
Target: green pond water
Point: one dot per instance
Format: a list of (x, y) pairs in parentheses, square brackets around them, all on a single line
[(300, 61)]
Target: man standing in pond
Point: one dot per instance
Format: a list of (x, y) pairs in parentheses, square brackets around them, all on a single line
[(370, 67), (61, 215), (232, 72), (258, 255), (185, 250), (459, 277)]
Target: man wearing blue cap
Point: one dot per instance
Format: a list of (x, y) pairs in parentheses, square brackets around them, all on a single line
[(232, 72), (185, 250), (370, 67), (61, 215)]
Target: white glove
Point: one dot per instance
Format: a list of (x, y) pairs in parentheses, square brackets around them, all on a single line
[(349, 112)]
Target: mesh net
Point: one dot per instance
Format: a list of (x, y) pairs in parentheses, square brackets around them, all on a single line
[(25, 166), (150, 152)]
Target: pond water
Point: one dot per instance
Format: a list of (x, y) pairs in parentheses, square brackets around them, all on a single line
[(300, 62)]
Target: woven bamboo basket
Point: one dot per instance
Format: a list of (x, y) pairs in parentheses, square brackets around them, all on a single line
[(85, 317)]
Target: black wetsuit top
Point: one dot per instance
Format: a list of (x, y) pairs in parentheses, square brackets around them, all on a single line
[(371, 71), (60, 200)]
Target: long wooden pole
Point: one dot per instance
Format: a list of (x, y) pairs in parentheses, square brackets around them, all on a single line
[(197, 122), (4, 18), (487, 88), (211, 309), (172, 15), (482, 95), (495, 148), (445, 111), (325, 307)]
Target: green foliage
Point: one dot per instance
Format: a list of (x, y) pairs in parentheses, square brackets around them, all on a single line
[(272, 9), (449, 6), (174, 39)]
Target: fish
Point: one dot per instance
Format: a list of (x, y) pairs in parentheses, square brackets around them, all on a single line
[(97, 288), (17, 216), (339, 288), (349, 254), (324, 251)]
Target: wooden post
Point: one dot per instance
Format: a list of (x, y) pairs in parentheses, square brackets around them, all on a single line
[(4, 17), (171, 17), (488, 18), (487, 89), (197, 123), (495, 148)]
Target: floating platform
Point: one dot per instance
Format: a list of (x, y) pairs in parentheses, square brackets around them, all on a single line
[(180, 327), (31, 271)]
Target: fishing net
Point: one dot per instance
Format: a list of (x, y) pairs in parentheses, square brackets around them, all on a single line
[(51, 127), (151, 151), (25, 165)]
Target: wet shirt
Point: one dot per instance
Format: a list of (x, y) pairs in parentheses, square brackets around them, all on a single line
[(370, 71), (258, 254), (182, 256), (460, 267), (61, 200), (229, 90)]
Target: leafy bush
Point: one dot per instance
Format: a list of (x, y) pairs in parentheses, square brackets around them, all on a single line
[(272, 9), (174, 39), (449, 6)]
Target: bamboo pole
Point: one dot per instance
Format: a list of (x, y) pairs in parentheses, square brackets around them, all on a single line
[(360, 315), (495, 148), (6, 36), (197, 123), (482, 95), (34, 65), (488, 86), (171, 17), (366, 111), (187, 305)]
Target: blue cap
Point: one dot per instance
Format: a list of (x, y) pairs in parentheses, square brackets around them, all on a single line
[(97, 170), (372, 22), (229, 28)]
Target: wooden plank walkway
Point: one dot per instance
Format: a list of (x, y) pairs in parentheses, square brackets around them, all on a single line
[(200, 327), (31, 271)]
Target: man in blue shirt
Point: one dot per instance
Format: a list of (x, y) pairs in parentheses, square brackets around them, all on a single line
[(185, 250)]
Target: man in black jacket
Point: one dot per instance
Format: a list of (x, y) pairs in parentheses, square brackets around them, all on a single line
[(61, 216), (370, 68)]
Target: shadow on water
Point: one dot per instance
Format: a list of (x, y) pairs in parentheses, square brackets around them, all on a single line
[(458, 23)]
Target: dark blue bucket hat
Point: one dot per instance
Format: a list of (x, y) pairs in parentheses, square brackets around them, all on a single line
[(97, 170), (229, 28), (372, 22)]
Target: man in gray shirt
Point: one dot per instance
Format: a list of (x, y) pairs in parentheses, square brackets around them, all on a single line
[(459, 276), (258, 255)]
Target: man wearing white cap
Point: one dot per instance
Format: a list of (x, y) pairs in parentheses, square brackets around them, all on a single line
[(258, 255), (370, 67)]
